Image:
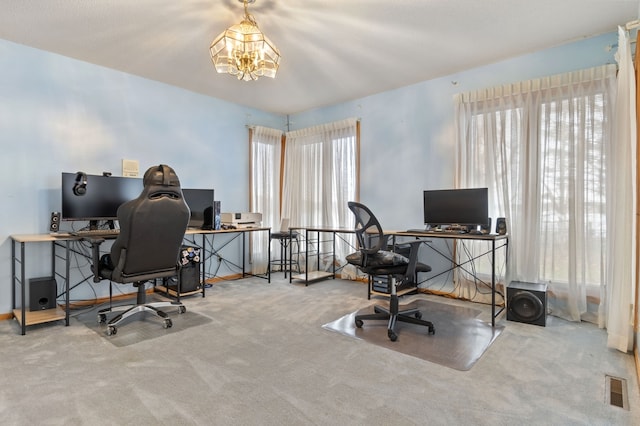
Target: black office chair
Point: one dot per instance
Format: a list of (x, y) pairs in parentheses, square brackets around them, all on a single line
[(374, 259), (152, 228)]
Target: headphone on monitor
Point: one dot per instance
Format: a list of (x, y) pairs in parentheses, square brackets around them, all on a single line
[(80, 186)]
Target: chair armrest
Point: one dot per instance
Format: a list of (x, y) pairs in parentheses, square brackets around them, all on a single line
[(414, 249)]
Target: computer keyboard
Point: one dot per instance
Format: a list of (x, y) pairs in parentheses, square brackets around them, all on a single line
[(96, 233), (434, 232)]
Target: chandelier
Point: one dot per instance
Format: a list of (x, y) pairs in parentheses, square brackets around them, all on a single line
[(244, 51)]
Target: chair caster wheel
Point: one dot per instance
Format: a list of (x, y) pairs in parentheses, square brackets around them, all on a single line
[(359, 323), (111, 330), (182, 309), (432, 330), (392, 335), (168, 323), (102, 318)]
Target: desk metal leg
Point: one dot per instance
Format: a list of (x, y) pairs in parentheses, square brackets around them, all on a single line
[(493, 283), (66, 280), (268, 256), (243, 252), (23, 314), (333, 257), (203, 261)]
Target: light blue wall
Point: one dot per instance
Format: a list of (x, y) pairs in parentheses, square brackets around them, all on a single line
[(407, 135), (58, 114)]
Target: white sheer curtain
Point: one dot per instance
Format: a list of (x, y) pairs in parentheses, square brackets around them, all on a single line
[(540, 147), (265, 189), (619, 294), (320, 177)]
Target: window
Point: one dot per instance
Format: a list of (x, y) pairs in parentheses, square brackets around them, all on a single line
[(319, 176), (541, 148)]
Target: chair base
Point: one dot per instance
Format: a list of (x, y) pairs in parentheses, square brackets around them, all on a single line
[(140, 307), (393, 315)]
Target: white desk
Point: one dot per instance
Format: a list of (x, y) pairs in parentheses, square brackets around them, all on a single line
[(496, 242), (23, 316), (309, 276), (60, 248)]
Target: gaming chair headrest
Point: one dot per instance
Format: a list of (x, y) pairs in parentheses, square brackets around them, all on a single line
[(161, 175)]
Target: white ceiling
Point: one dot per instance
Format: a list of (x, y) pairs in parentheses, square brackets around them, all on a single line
[(332, 50)]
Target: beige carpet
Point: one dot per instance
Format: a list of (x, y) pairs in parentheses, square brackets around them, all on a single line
[(459, 341), (142, 327)]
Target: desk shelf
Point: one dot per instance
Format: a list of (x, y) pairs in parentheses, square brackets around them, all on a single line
[(39, 317), (174, 293), (312, 276)]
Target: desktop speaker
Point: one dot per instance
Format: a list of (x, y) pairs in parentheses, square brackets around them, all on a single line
[(42, 293), (54, 223), (501, 226), (527, 303)]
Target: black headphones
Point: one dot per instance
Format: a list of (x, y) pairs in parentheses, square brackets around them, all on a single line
[(80, 187)]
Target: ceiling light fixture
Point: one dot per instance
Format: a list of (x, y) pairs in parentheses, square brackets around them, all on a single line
[(244, 51)]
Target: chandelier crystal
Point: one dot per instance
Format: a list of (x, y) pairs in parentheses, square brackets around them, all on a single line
[(244, 51)]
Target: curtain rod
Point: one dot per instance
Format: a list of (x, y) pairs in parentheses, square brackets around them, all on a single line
[(632, 24)]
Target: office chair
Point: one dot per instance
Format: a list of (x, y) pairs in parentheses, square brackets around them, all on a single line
[(286, 237), (374, 259), (152, 228)]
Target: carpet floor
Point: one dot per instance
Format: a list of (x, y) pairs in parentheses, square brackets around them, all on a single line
[(459, 341)]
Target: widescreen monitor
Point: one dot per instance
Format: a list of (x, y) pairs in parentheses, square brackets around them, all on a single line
[(464, 207), (96, 197), (200, 202)]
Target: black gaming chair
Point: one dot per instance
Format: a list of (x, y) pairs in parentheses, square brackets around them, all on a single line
[(374, 259), (152, 228)]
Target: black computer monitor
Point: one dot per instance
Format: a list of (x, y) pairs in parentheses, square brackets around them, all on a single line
[(96, 197), (200, 202), (464, 207)]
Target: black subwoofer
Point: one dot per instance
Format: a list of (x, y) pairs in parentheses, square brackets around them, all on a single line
[(42, 293), (527, 303)]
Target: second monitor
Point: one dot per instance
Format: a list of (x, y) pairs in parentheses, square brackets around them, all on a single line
[(456, 207), (200, 202)]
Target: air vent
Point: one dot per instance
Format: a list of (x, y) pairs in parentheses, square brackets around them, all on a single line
[(616, 392)]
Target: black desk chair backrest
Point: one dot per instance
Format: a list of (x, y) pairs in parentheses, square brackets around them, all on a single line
[(373, 256), (369, 233), (152, 228)]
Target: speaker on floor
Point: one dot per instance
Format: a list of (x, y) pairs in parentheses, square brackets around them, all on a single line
[(527, 303), (42, 293), (501, 226), (54, 223)]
